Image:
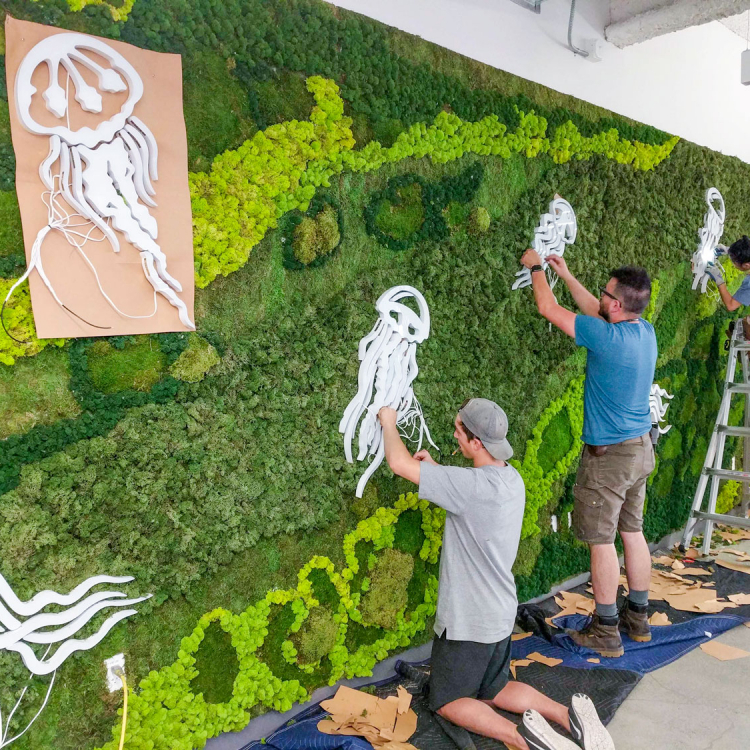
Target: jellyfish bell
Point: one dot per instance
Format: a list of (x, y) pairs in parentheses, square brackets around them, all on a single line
[(414, 327), (66, 51)]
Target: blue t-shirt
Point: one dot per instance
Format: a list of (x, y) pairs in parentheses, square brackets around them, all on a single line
[(619, 374), (742, 295)]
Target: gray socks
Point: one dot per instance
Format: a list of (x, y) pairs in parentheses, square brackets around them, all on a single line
[(606, 611), (640, 598)]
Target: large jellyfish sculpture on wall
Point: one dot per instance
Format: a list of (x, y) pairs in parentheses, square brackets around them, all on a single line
[(386, 373), (708, 238), (557, 229), (103, 175)]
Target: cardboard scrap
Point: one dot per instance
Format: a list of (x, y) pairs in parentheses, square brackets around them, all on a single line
[(404, 700), (722, 651), (737, 553), (693, 554), (519, 636), (746, 623), (662, 560), (658, 619), (739, 598), (385, 723), (733, 536), (542, 659), (734, 565), (514, 663), (695, 572), (677, 565), (594, 661), (573, 604)]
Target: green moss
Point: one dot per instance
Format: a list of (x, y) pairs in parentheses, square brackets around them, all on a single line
[(402, 218), (557, 440), (323, 590), (4, 122), (316, 237), (365, 506), (217, 665), (528, 552), (317, 636), (409, 536), (35, 392), (457, 214), (663, 481), (193, 364), (217, 114), (388, 593), (280, 98), (138, 365), (11, 232), (480, 219), (671, 445)]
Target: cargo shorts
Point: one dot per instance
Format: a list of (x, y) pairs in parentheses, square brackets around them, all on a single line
[(610, 490)]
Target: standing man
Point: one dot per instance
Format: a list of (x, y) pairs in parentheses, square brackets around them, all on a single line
[(618, 455), (477, 603)]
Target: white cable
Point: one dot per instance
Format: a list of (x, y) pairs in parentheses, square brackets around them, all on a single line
[(4, 736)]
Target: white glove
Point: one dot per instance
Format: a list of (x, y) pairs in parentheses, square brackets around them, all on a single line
[(715, 271)]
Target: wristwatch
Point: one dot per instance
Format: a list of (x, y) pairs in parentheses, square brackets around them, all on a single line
[(536, 268)]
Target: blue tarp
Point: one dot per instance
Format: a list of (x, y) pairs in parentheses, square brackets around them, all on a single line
[(304, 735), (667, 643)]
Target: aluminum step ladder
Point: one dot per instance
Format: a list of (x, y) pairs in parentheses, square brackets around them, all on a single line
[(713, 469)]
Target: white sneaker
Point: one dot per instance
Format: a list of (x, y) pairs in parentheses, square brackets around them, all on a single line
[(586, 726), (539, 735)]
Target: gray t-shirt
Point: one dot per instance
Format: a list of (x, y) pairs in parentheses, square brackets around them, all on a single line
[(477, 594), (742, 295)]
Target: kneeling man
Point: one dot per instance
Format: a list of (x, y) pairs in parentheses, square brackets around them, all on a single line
[(477, 602)]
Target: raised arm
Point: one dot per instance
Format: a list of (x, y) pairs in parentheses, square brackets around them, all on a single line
[(397, 455), (564, 319), (715, 272), (587, 303)]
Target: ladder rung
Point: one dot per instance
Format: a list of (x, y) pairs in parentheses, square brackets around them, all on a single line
[(739, 388), (737, 476), (741, 347), (737, 521), (733, 431)]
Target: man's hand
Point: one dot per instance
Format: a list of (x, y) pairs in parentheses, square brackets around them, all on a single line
[(425, 456), (559, 266), (387, 416), (715, 271), (531, 258)]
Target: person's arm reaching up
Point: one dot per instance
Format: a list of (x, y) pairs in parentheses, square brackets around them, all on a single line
[(397, 454), (715, 272), (564, 319), (587, 303)]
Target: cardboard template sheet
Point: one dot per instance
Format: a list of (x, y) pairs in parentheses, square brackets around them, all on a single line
[(121, 274)]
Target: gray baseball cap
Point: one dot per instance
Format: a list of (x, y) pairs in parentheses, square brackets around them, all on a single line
[(489, 423)]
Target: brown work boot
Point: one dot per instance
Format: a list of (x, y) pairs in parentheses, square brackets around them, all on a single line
[(634, 621), (604, 639)]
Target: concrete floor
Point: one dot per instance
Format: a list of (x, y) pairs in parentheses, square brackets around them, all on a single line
[(695, 703)]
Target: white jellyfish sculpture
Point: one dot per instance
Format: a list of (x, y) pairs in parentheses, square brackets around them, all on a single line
[(24, 624), (386, 373), (557, 229), (658, 407), (95, 178), (708, 238)]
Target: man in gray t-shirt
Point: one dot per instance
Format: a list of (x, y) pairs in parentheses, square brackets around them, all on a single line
[(477, 601)]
